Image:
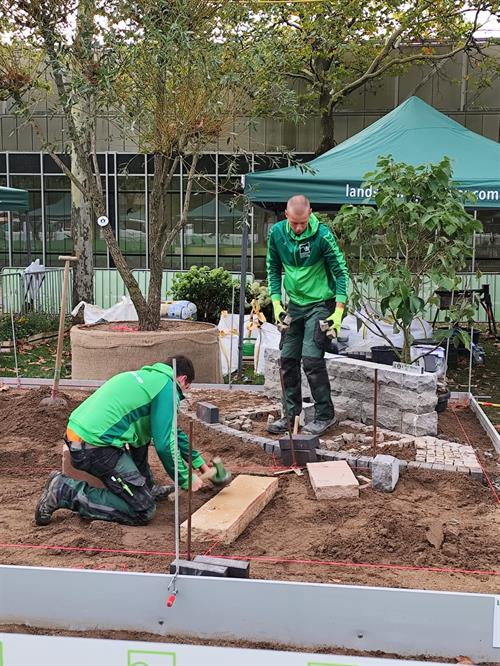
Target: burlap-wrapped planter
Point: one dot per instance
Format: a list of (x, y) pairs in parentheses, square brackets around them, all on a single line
[(101, 351)]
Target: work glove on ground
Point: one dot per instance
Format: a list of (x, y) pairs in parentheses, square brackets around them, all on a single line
[(279, 310), (335, 319)]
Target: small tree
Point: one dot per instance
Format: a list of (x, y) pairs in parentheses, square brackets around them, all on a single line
[(338, 47), (172, 74), (418, 234)]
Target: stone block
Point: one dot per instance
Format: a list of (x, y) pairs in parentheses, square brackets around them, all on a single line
[(364, 462), (342, 367), (304, 446), (420, 424), (208, 413), (77, 474), (346, 407), (419, 383), (224, 517), (385, 473), (476, 474), (332, 480), (387, 377), (386, 416), (235, 568), (193, 568), (420, 403)]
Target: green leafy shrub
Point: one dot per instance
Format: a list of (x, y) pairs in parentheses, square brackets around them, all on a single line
[(417, 233), (209, 289), (27, 324)]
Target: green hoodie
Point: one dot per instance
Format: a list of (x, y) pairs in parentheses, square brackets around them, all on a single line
[(314, 267), (133, 408)]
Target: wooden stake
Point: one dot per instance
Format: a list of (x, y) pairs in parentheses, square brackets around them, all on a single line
[(296, 425)]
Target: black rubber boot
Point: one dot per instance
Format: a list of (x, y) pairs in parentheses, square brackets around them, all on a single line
[(49, 501)]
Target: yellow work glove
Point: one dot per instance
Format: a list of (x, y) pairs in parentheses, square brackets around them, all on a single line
[(278, 310), (335, 319)]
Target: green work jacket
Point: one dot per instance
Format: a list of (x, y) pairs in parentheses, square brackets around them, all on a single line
[(134, 408), (314, 267)]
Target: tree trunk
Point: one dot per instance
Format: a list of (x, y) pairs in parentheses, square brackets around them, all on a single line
[(327, 142), (152, 321), (82, 235)]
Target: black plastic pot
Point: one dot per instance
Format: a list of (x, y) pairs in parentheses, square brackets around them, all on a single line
[(442, 402), (385, 355)]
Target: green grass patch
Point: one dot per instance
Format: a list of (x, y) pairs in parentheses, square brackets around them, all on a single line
[(37, 360)]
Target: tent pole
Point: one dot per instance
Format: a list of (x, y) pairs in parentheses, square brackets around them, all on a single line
[(473, 263), (243, 276)]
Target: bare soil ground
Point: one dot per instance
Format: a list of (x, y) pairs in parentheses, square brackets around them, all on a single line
[(426, 534)]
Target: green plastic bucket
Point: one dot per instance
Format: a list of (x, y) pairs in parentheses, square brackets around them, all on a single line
[(248, 348)]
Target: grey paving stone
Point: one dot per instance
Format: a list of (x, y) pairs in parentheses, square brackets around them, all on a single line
[(385, 473)]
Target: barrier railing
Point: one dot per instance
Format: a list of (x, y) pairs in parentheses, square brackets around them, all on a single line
[(42, 292)]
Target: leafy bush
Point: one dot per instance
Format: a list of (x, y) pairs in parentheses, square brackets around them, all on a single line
[(27, 324), (417, 233), (209, 289)]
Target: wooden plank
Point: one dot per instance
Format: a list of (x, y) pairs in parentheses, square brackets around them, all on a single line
[(228, 514)]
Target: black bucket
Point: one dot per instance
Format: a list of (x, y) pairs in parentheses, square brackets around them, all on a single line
[(384, 354), (442, 402)]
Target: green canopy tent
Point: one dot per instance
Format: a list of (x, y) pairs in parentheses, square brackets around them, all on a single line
[(414, 133), (13, 199)]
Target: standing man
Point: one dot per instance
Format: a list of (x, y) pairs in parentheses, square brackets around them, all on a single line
[(316, 280), (108, 436)]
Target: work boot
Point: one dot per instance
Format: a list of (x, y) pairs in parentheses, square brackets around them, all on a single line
[(49, 501), (161, 493), (318, 427), (278, 427)]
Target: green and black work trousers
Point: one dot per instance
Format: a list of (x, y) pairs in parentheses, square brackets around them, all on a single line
[(303, 340), (127, 497)]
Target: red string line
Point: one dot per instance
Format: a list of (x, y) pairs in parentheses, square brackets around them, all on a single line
[(488, 480), (274, 560)]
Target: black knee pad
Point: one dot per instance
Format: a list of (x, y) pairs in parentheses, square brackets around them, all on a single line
[(291, 370), (315, 369)]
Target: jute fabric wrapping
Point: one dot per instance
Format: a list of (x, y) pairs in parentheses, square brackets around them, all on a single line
[(99, 353)]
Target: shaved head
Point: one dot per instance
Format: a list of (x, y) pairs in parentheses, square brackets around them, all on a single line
[(298, 210), (298, 204)]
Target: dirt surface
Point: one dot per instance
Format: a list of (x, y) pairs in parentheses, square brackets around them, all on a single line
[(348, 541), (165, 325), (190, 640), (461, 424), (228, 400)]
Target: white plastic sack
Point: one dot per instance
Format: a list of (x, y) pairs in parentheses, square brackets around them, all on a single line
[(365, 338), (34, 276), (228, 341), (266, 337), (124, 310)]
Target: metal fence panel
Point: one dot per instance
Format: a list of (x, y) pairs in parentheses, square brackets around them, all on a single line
[(108, 288)]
